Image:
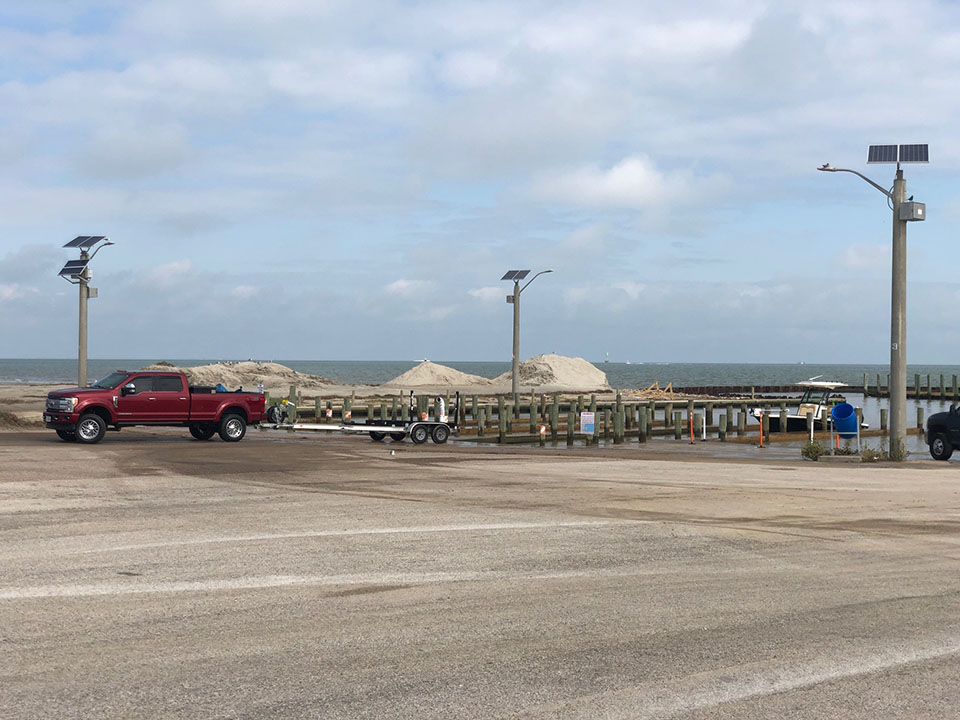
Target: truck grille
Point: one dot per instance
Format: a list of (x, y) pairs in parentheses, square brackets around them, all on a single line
[(59, 405)]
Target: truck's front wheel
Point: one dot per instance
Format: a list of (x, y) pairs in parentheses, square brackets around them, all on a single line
[(203, 432), (91, 428), (232, 428), (940, 448), (67, 435)]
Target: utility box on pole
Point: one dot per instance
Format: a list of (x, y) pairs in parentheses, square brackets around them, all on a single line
[(913, 211)]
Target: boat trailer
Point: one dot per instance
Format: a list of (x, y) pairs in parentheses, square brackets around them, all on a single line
[(417, 428)]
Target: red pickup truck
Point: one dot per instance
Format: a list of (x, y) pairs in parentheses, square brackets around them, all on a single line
[(150, 398)]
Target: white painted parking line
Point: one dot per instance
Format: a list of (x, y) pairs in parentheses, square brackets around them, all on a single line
[(364, 531), (138, 585), (706, 690)]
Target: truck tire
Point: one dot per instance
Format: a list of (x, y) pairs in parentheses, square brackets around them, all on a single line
[(377, 436), (232, 428), (67, 435), (940, 447), (440, 434), (203, 432), (419, 434), (91, 428), (398, 437)]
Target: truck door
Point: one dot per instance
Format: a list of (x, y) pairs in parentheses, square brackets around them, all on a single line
[(137, 404), (173, 401)]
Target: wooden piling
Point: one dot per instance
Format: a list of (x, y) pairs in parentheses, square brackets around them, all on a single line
[(783, 417), (677, 425), (533, 412), (481, 416), (571, 423), (723, 428), (920, 417), (883, 419)]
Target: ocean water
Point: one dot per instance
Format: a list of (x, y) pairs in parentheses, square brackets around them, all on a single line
[(619, 375)]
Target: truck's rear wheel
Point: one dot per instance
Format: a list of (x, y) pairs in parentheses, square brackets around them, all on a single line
[(419, 434), (91, 428), (397, 436), (232, 428), (940, 448), (440, 434), (67, 435), (203, 432), (377, 436)]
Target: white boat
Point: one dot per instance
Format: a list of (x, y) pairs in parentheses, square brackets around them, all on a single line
[(815, 399)]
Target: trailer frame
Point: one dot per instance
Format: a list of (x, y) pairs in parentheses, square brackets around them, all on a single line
[(418, 429)]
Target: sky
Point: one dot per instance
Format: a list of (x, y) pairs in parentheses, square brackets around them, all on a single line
[(315, 179)]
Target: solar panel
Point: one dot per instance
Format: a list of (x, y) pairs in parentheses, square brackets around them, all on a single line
[(509, 275), (74, 267), (882, 154), (521, 274), (85, 241), (914, 154)]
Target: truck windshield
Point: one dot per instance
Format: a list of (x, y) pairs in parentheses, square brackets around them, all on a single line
[(111, 381)]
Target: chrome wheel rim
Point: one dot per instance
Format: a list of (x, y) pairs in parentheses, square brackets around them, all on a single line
[(234, 428), (88, 429), (938, 446)]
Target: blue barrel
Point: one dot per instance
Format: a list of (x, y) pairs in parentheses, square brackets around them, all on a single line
[(844, 420)]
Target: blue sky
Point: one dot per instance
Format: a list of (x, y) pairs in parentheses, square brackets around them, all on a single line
[(333, 180)]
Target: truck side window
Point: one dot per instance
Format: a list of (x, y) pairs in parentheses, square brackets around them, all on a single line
[(162, 383), (143, 383)]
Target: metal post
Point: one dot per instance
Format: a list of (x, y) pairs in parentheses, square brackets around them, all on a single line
[(84, 286), (898, 326), (514, 385)]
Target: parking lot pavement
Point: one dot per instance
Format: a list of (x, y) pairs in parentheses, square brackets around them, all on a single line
[(152, 576)]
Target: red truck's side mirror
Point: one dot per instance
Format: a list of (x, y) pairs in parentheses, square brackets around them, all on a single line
[(128, 389)]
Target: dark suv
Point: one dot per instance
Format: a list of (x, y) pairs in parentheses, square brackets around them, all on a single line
[(943, 433)]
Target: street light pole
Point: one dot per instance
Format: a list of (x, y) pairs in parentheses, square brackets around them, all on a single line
[(898, 324), (515, 372), (84, 287), (77, 272), (517, 276), (903, 211)]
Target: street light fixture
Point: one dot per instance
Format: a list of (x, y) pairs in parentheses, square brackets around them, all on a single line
[(903, 212), (517, 276), (77, 272)]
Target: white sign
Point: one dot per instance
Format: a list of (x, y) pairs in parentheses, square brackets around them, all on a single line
[(587, 423)]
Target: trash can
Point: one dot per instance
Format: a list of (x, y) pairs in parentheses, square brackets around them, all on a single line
[(844, 420)]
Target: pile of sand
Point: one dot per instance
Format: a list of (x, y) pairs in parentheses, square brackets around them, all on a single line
[(428, 374), (556, 373), (276, 378)]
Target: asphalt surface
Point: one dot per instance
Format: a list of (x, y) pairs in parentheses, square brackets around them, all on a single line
[(153, 576)]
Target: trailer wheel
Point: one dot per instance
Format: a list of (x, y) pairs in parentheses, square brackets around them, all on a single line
[(398, 437), (419, 434), (440, 434), (940, 448), (202, 432), (67, 435), (377, 436), (91, 428), (232, 428)]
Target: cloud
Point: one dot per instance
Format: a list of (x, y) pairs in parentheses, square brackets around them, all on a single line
[(31, 264), (14, 292), (488, 295), (245, 292), (170, 274), (634, 182), (407, 289), (869, 258)]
